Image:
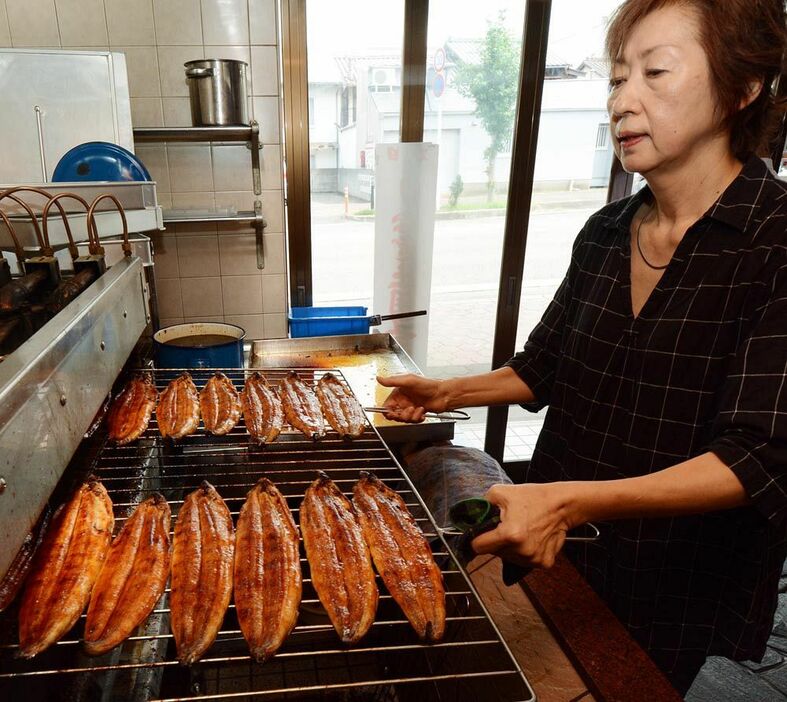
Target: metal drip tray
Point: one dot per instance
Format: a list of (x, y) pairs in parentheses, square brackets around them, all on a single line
[(361, 358)]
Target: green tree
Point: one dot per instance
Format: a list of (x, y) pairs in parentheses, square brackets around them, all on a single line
[(455, 190), (493, 84)]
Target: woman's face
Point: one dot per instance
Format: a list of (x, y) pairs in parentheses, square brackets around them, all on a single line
[(661, 102)]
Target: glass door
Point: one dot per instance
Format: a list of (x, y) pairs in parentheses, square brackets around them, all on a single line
[(573, 160), (472, 80), (355, 70)]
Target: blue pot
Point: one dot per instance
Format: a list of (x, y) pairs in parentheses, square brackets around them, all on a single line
[(223, 355)]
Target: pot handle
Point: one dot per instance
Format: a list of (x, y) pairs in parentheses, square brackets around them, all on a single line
[(199, 72), (377, 319)]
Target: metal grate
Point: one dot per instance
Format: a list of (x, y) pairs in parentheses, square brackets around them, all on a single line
[(390, 663)]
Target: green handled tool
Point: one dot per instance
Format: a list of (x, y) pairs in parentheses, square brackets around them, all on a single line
[(476, 515)]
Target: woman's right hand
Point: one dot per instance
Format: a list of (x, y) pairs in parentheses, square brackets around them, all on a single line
[(412, 397)]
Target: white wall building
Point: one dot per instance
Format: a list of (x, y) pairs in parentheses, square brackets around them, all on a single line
[(573, 133), (354, 103)]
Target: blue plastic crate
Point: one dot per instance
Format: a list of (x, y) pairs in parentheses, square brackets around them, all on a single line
[(328, 321)]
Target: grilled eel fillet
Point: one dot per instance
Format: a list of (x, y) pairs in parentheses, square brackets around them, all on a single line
[(65, 568), (15, 577), (341, 569), (178, 408), (131, 410), (202, 555), (340, 407), (402, 556), (132, 579), (267, 570), (262, 410), (301, 407), (220, 404)]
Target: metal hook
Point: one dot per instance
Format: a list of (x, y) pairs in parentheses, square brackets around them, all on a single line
[(9, 193), (20, 252), (72, 247), (92, 222)]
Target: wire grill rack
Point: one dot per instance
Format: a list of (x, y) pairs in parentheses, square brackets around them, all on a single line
[(390, 663)]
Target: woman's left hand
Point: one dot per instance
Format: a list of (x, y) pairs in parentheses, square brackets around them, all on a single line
[(534, 519)]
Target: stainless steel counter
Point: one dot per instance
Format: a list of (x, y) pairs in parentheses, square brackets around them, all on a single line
[(51, 388)]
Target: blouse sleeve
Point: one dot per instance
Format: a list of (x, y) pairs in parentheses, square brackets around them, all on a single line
[(537, 362), (750, 431)]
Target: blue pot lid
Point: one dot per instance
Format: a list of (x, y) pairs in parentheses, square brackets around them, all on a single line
[(99, 160)]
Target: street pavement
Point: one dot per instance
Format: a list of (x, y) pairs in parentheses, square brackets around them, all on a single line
[(465, 280), (465, 275)]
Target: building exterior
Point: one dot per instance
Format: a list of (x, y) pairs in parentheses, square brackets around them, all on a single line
[(354, 104)]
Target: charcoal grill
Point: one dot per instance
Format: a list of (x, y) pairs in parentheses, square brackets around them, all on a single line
[(472, 662)]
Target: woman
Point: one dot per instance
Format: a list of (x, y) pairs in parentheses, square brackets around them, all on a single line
[(663, 357)]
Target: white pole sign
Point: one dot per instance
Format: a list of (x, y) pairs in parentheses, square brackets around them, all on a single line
[(406, 184)]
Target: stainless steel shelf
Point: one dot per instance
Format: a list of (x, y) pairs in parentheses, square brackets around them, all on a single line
[(250, 134), (255, 217), (240, 133), (138, 198), (108, 222), (185, 218)]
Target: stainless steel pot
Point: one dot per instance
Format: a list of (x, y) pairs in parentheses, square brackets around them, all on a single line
[(217, 88)]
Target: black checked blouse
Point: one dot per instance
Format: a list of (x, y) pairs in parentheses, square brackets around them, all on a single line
[(702, 368)]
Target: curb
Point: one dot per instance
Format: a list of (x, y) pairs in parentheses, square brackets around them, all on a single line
[(497, 212), (462, 214)]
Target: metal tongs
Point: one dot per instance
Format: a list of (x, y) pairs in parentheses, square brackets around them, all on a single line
[(474, 516), (477, 515), (456, 415)]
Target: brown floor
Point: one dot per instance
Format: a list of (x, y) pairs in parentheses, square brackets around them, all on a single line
[(546, 667)]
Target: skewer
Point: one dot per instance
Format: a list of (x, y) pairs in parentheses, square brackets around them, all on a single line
[(457, 415)]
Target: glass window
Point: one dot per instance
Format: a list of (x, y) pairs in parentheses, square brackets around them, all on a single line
[(473, 62), (355, 67)]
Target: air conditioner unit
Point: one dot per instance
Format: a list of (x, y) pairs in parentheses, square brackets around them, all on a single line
[(383, 76)]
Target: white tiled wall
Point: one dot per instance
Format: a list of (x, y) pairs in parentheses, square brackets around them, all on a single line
[(204, 272)]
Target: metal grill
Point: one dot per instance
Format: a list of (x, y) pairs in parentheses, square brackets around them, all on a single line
[(390, 663)]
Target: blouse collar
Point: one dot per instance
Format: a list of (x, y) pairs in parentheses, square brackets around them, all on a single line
[(755, 184)]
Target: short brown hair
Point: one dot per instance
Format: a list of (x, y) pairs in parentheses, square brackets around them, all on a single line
[(744, 41)]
